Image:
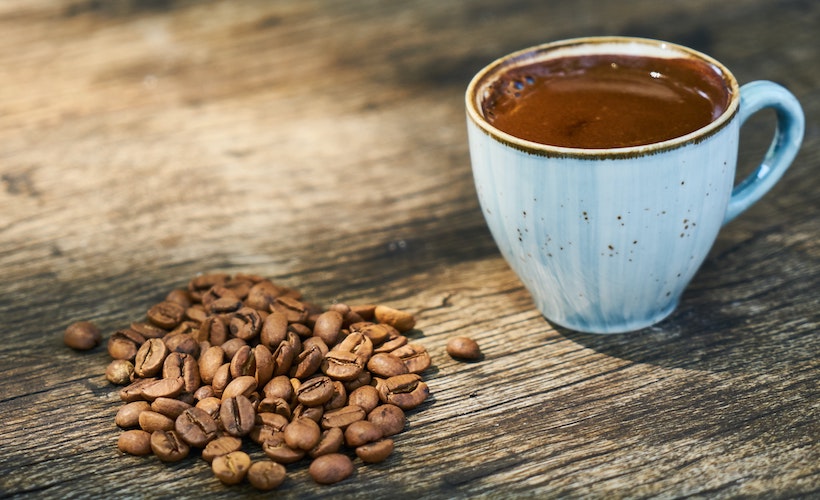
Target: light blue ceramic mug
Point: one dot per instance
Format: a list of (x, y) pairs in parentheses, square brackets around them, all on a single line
[(606, 240)]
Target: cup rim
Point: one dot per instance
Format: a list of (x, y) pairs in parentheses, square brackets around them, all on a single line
[(531, 54)]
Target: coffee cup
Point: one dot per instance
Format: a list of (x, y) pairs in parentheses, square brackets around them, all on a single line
[(605, 168)]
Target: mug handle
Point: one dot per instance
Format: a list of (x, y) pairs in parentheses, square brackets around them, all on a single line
[(788, 135)]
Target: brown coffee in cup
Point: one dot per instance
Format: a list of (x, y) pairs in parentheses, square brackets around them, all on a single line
[(601, 101)]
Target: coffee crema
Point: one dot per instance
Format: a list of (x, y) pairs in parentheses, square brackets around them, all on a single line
[(605, 101)]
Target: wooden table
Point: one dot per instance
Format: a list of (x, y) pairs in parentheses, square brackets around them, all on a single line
[(323, 144)]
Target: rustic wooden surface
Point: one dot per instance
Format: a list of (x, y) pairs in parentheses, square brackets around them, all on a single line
[(323, 144)]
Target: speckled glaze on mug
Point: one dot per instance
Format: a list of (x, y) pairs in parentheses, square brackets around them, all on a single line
[(606, 240)]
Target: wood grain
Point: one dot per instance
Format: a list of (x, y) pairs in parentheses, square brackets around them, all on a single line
[(322, 144)]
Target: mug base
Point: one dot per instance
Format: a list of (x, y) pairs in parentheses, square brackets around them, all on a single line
[(585, 325)]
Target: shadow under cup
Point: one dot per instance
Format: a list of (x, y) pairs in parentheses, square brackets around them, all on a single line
[(607, 238)]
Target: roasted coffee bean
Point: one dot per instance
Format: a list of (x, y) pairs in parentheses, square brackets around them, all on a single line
[(365, 397), (339, 398), (196, 313), (400, 320), (330, 468), (133, 391), (342, 365), (232, 346), (119, 372), (211, 406), (330, 442), (82, 336), (375, 452), (222, 378), (135, 442), (463, 348), (231, 468), (266, 425), (300, 329), (168, 446), (274, 405), (166, 314), (184, 366), (378, 333), (266, 475), (123, 344), (209, 362), (221, 446), (148, 330), (295, 311), (203, 282), (264, 364), (196, 427), (405, 391), (312, 412), (182, 342), (364, 378), (386, 365), (180, 296), (315, 391), (302, 433), (282, 358), (214, 330), (163, 388), (223, 305), (237, 415), (366, 311), (274, 329), (414, 357), (278, 450), (244, 386), (243, 362), (204, 391), (262, 294), (128, 414), (307, 362), (150, 357), (342, 417), (151, 421), (246, 323), (362, 432), (392, 343), (389, 418), (327, 327), (171, 408), (279, 387), (215, 293)]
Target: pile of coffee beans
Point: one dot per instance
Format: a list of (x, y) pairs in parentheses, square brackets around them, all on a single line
[(235, 367)]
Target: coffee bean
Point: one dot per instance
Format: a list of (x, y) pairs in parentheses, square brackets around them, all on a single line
[(82, 336), (327, 327), (209, 362), (266, 475), (330, 441), (221, 379), (244, 386), (148, 330), (378, 333), (211, 406), (166, 314), (274, 405), (307, 362), (365, 397), (303, 434), (119, 372), (314, 413), (339, 398), (278, 450), (213, 329), (182, 343), (227, 304), (386, 365), (264, 364), (246, 323), (342, 417), (128, 414), (168, 446), (123, 344), (203, 282), (400, 320), (315, 391), (375, 452), (274, 329), (150, 357), (262, 294), (196, 427), (171, 408), (463, 348), (135, 442), (180, 296), (231, 468), (414, 357), (294, 311), (204, 391), (389, 418), (282, 358), (220, 446), (162, 388), (405, 391), (365, 311), (279, 387), (331, 468), (237, 415), (362, 432), (243, 362), (151, 421)]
